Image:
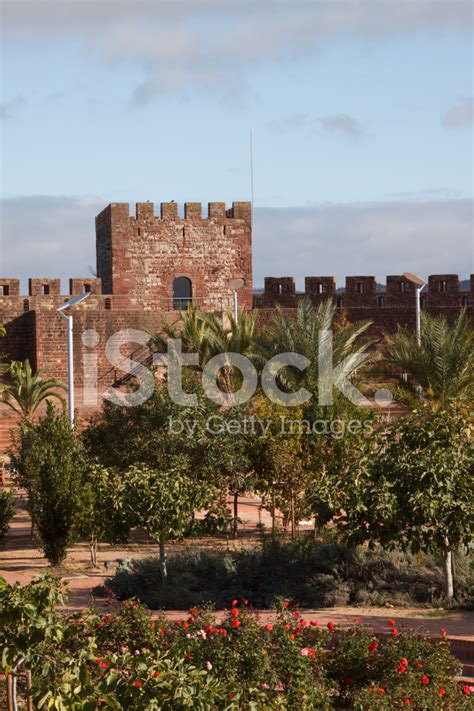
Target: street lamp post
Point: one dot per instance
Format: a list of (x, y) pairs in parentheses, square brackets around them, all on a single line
[(70, 351), (419, 286), (235, 285)]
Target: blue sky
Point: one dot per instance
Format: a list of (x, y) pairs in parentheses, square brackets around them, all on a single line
[(361, 112)]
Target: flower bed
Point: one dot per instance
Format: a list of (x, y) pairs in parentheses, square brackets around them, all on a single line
[(125, 660)]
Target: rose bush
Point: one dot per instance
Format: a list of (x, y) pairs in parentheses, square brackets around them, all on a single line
[(124, 659)]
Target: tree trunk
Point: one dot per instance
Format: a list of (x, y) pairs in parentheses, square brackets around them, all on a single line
[(273, 510), (236, 515), (163, 568), (292, 515), (448, 574), (93, 548)]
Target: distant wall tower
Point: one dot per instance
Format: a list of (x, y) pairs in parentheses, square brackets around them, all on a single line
[(164, 262)]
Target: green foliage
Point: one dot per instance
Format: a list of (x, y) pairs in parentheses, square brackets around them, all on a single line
[(125, 660), (163, 503), (49, 463), (440, 369), (312, 574), (412, 484), (24, 391), (7, 509)]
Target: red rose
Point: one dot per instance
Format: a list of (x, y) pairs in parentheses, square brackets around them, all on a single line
[(314, 623), (292, 636), (303, 623), (357, 619), (394, 632), (235, 623), (442, 692), (391, 623), (194, 611), (407, 702), (285, 603), (443, 631), (404, 661), (425, 680), (246, 602), (138, 684), (466, 689), (234, 612), (156, 674), (380, 692), (331, 626), (230, 696), (373, 647), (401, 668), (234, 603), (269, 628)]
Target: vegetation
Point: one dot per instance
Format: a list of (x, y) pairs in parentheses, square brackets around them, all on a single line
[(311, 574), (440, 369), (7, 509), (49, 463), (24, 391), (124, 660), (410, 485)]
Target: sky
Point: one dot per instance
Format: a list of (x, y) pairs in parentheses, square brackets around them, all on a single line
[(361, 115)]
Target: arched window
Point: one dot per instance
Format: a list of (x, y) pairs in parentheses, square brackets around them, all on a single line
[(182, 292)]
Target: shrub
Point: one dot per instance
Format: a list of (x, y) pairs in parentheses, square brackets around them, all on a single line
[(49, 463), (312, 575), (7, 509), (125, 660)]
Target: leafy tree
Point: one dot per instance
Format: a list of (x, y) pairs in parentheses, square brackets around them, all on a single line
[(24, 391), (49, 463), (411, 486), (7, 509), (102, 514), (440, 369), (163, 503)]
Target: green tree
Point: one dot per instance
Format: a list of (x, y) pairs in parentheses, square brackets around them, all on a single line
[(412, 486), (102, 513), (7, 509), (439, 370), (49, 463), (24, 391), (163, 503)]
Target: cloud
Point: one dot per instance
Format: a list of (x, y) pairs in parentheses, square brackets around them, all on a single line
[(429, 236), (48, 236), (55, 237), (342, 124), (460, 115), (10, 109), (213, 46)]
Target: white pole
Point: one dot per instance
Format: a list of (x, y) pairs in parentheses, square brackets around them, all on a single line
[(418, 313), (235, 304), (70, 370)]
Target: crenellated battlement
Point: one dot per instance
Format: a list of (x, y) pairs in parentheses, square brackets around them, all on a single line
[(119, 212), (442, 290)]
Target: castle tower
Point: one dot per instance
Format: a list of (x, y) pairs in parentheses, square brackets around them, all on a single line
[(166, 262)]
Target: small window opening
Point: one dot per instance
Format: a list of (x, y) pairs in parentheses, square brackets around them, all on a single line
[(107, 304), (443, 286), (26, 305), (45, 289), (339, 301), (182, 293), (87, 288), (381, 302), (402, 287), (6, 290), (360, 287), (465, 301)]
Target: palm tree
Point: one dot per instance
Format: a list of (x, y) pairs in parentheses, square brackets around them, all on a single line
[(24, 391), (309, 330), (439, 370), (209, 335)]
